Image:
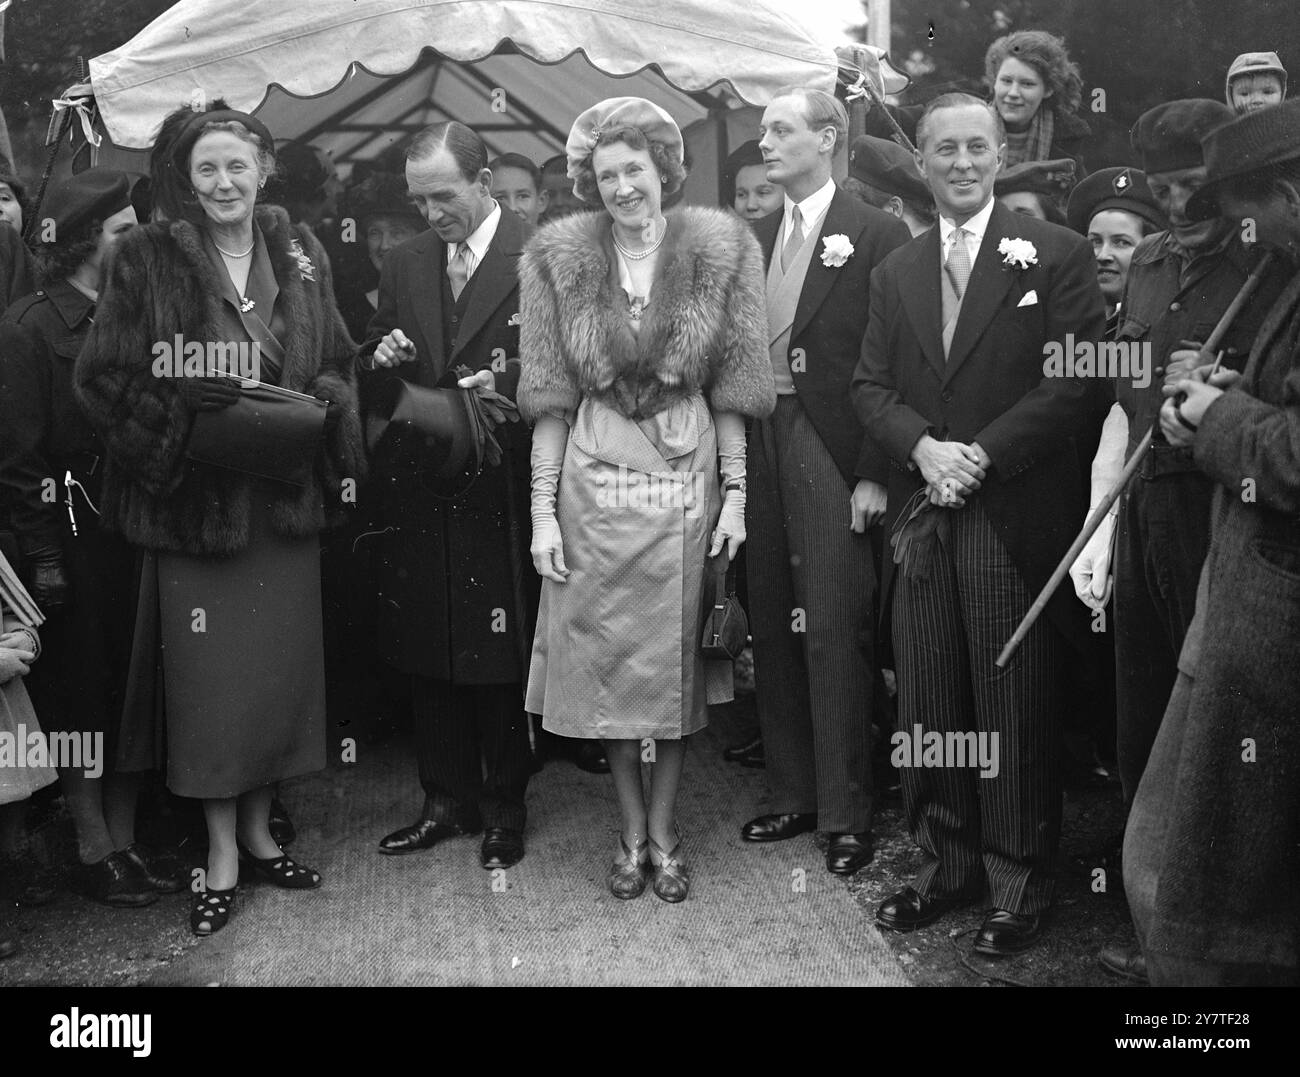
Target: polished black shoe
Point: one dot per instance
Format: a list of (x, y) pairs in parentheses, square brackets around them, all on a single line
[(280, 825), (161, 871), (848, 853), (1130, 964), (424, 834), (114, 881), (779, 827), (907, 910), (1004, 933), (737, 752), (591, 757), (502, 848)]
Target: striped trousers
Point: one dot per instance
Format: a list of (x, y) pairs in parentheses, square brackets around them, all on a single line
[(811, 589), (948, 629)]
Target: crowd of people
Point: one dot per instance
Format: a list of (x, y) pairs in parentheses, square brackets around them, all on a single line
[(616, 398)]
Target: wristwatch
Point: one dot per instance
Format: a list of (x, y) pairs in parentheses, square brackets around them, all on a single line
[(734, 484)]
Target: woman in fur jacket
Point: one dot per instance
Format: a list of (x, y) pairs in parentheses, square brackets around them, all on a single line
[(230, 611), (643, 343)]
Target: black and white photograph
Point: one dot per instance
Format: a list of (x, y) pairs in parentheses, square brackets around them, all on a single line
[(613, 493)]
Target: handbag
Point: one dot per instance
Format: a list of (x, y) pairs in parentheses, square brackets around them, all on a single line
[(270, 432), (726, 627)]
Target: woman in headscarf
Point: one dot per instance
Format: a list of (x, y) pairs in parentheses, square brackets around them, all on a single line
[(644, 346)]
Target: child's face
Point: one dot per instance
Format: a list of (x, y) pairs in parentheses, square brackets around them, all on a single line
[(1251, 92)]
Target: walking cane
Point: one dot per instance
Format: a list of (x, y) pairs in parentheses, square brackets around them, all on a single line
[(1206, 355)]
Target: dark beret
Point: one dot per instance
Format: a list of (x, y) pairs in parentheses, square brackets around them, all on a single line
[(888, 167), (381, 194), (1168, 137), (1113, 188), (747, 155), (1250, 143), (95, 194), (1051, 178)]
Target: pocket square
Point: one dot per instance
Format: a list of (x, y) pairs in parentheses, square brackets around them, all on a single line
[(1028, 299)]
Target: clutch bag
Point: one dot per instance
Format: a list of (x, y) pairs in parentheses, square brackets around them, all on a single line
[(269, 432)]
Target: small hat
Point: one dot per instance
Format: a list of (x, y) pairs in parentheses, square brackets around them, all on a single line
[(1168, 137), (888, 167), (1254, 63), (746, 156), (304, 169), (10, 179), (613, 112), (1252, 141), (95, 194), (1051, 178), (381, 194), (1113, 188)]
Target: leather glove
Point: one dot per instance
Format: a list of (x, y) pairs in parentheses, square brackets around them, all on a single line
[(50, 585), (1091, 572), (731, 525), (207, 394)]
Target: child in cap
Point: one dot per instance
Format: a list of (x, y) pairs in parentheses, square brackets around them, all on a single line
[(1255, 80)]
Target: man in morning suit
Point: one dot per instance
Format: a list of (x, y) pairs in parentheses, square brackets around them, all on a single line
[(449, 606), (809, 559), (974, 444)]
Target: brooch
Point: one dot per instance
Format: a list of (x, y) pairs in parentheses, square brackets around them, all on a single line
[(245, 304)]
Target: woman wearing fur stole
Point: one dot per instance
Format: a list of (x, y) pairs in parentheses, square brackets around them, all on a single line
[(230, 611), (643, 341)]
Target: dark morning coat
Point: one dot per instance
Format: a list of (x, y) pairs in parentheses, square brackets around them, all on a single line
[(448, 580), (161, 283), (831, 318), (990, 389)]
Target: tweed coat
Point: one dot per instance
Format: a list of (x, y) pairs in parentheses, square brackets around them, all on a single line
[(160, 284), (456, 586)]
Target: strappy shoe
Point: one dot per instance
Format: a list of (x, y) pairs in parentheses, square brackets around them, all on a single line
[(282, 871), (627, 875), (211, 911), (672, 883)]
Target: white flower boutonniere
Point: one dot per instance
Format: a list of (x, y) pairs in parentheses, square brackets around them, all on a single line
[(1018, 252), (305, 267), (514, 320), (836, 250)]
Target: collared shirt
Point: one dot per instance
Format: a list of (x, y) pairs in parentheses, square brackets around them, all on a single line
[(478, 241), (812, 210), (975, 229)]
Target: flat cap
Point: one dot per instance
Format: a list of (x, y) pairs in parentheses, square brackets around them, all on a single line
[(1051, 178), (95, 194), (888, 167), (1168, 137), (1250, 143), (1113, 188)]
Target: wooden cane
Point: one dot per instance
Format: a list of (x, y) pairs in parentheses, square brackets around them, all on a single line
[(1204, 356)]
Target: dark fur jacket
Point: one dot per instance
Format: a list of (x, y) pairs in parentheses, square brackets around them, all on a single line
[(704, 329), (161, 283)]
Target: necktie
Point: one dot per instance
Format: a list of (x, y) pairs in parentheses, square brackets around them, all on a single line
[(958, 264), (795, 240), (458, 269)]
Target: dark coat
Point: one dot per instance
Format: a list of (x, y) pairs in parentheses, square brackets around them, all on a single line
[(991, 389), (831, 318), (450, 587), (162, 283)]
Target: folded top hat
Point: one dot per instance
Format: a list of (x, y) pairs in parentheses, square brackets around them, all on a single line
[(438, 434), (1250, 143)]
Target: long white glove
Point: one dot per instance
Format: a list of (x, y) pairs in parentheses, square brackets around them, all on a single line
[(1091, 571), (550, 438), (731, 461)]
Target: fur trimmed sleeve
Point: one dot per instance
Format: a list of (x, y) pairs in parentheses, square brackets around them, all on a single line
[(742, 374), (141, 418), (546, 384)]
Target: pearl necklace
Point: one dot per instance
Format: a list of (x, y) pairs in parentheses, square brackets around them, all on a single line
[(233, 254), (637, 256)]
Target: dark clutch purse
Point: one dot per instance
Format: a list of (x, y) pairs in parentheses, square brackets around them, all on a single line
[(270, 432), (726, 627)]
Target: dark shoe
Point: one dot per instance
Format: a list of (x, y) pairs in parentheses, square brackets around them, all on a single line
[(671, 880), (424, 834), (280, 825), (211, 911), (8, 948), (162, 872), (282, 871), (756, 760), (737, 752), (26, 882), (907, 910), (627, 875), (1130, 964), (502, 847), (848, 853), (1005, 933), (114, 881), (778, 827), (591, 757)]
